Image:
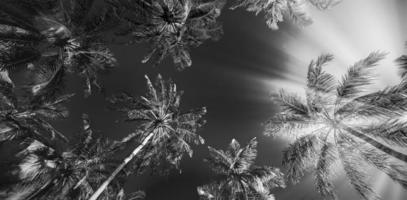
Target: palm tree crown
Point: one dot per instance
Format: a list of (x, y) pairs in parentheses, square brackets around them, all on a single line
[(242, 179), (172, 26), (71, 174), (28, 116), (339, 123), (66, 35), (165, 132), (159, 114)]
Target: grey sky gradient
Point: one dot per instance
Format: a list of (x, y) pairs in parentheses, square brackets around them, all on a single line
[(228, 78)]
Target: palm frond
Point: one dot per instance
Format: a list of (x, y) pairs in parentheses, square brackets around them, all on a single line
[(269, 177), (356, 171), (320, 85), (47, 83), (297, 12), (324, 4), (318, 80), (245, 157), (292, 104), (300, 156), (402, 61), (210, 191), (218, 161), (274, 10), (383, 162), (393, 132), (389, 102), (286, 124), (323, 172), (358, 76)]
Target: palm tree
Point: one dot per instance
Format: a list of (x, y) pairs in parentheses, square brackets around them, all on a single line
[(72, 174), (241, 178), (171, 27), (64, 35), (274, 10), (26, 116), (340, 123), (163, 126)]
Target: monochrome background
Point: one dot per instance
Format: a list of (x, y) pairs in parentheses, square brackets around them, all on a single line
[(234, 77)]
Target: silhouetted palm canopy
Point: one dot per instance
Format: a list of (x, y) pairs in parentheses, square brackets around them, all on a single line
[(158, 113), (341, 123), (73, 174), (241, 179), (172, 26), (64, 35), (164, 132), (27, 116)]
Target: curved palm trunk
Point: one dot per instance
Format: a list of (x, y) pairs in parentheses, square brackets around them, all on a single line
[(120, 167), (378, 145)]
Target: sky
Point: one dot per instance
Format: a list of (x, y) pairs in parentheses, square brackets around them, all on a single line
[(234, 78)]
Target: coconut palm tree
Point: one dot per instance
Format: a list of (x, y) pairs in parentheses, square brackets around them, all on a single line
[(241, 179), (171, 27), (72, 174), (274, 10), (24, 116), (162, 125), (65, 35), (342, 123)]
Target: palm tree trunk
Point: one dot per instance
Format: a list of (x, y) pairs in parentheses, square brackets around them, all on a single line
[(120, 167), (378, 145)]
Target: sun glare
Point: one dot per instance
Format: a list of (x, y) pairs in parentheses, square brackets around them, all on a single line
[(350, 34), (349, 31)]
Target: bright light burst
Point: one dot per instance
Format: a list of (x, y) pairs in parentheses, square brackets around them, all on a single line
[(350, 31)]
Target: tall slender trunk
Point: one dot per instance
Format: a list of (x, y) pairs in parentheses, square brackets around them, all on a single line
[(378, 145), (120, 167)]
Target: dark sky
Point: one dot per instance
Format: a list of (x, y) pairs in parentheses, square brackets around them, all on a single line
[(222, 78)]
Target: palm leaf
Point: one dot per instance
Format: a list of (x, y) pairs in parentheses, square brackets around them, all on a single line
[(292, 104), (297, 12), (218, 161), (245, 158), (356, 171), (324, 4), (391, 131), (390, 101), (358, 76), (323, 172), (318, 80), (299, 156), (383, 162)]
